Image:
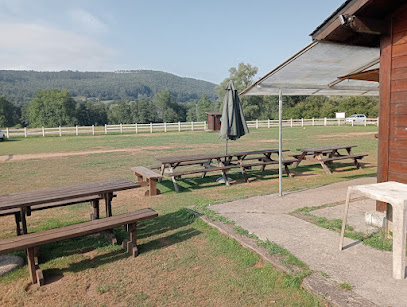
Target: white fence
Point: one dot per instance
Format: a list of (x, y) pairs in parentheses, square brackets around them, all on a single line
[(168, 127)]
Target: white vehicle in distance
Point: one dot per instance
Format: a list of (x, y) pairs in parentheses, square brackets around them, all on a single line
[(356, 118), (2, 136)]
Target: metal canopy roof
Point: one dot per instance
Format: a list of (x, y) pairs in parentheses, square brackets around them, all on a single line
[(315, 71)]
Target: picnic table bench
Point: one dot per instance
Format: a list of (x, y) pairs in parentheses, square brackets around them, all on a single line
[(148, 177), (224, 163), (327, 154), (31, 242), (25, 202)]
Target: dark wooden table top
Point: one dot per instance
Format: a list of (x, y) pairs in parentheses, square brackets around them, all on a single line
[(29, 198), (203, 157), (326, 148)]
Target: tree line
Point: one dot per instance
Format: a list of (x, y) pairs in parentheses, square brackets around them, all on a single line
[(54, 107)]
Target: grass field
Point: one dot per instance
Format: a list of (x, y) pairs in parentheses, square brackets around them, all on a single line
[(182, 261)]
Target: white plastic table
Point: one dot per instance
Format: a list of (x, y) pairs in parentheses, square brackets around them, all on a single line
[(394, 193)]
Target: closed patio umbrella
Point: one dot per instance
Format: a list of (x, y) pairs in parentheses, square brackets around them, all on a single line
[(233, 124)]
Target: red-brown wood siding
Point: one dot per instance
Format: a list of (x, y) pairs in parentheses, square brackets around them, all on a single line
[(392, 164)]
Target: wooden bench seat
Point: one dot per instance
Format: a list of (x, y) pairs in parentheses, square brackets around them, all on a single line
[(182, 164), (147, 177), (93, 199), (32, 241), (205, 170), (357, 156)]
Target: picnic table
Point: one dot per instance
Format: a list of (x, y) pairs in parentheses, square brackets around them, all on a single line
[(23, 201), (325, 155), (224, 162)]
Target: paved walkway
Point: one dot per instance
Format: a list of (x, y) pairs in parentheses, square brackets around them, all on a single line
[(368, 270)]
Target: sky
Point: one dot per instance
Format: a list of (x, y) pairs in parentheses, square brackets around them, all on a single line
[(196, 39)]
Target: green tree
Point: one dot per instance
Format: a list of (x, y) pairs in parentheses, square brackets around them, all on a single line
[(52, 108), (204, 105), (168, 110), (9, 113), (242, 77)]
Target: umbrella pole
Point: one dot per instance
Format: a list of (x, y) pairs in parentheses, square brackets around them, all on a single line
[(280, 143)]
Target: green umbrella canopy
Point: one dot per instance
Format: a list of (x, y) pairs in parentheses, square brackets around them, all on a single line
[(233, 124)]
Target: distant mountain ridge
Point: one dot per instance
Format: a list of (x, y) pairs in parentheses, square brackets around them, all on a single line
[(20, 86)]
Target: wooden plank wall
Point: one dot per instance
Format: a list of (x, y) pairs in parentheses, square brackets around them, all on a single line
[(397, 141)]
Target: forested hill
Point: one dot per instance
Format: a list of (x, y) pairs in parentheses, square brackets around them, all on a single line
[(20, 86)]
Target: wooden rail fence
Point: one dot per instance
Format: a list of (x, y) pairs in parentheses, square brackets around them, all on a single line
[(168, 127)]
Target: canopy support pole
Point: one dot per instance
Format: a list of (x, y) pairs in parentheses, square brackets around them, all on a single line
[(280, 143)]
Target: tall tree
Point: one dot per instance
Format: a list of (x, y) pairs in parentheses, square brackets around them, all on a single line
[(242, 77), (52, 108), (9, 113), (168, 110), (204, 105)]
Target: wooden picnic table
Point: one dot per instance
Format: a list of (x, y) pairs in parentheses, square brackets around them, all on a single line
[(327, 154), (24, 200), (224, 163)]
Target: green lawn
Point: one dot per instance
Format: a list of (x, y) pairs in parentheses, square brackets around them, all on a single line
[(182, 260)]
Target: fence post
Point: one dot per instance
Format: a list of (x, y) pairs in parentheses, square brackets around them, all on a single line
[(302, 122), (339, 121), (136, 128), (325, 121), (192, 126), (352, 122), (205, 127), (7, 132), (151, 127), (165, 127), (60, 131), (313, 121), (179, 126), (268, 123), (377, 122), (121, 128), (93, 129), (43, 131), (291, 122), (105, 128), (365, 120), (25, 131), (77, 130), (257, 124)]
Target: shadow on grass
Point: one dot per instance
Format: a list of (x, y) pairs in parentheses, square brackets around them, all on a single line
[(195, 183), (153, 227)]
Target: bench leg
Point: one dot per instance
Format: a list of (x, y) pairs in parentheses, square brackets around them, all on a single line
[(225, 178), (108, 202), (357, 164), (31, 264), (17, 219), (300, 158), (324, 166), (152, 190), (131, 244), (23, 220), (96, 214), (287, 171), (174, 181)]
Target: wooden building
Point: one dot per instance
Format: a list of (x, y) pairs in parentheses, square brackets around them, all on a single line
[(365, 43), (214, 121), (381, 23)]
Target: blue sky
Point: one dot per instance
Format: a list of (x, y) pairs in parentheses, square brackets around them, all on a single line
[(198, 39)]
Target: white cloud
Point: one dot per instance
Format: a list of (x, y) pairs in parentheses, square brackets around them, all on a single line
[(36, 47), (89, 22)]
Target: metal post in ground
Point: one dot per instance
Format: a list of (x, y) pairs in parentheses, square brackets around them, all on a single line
[(280, 143)]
